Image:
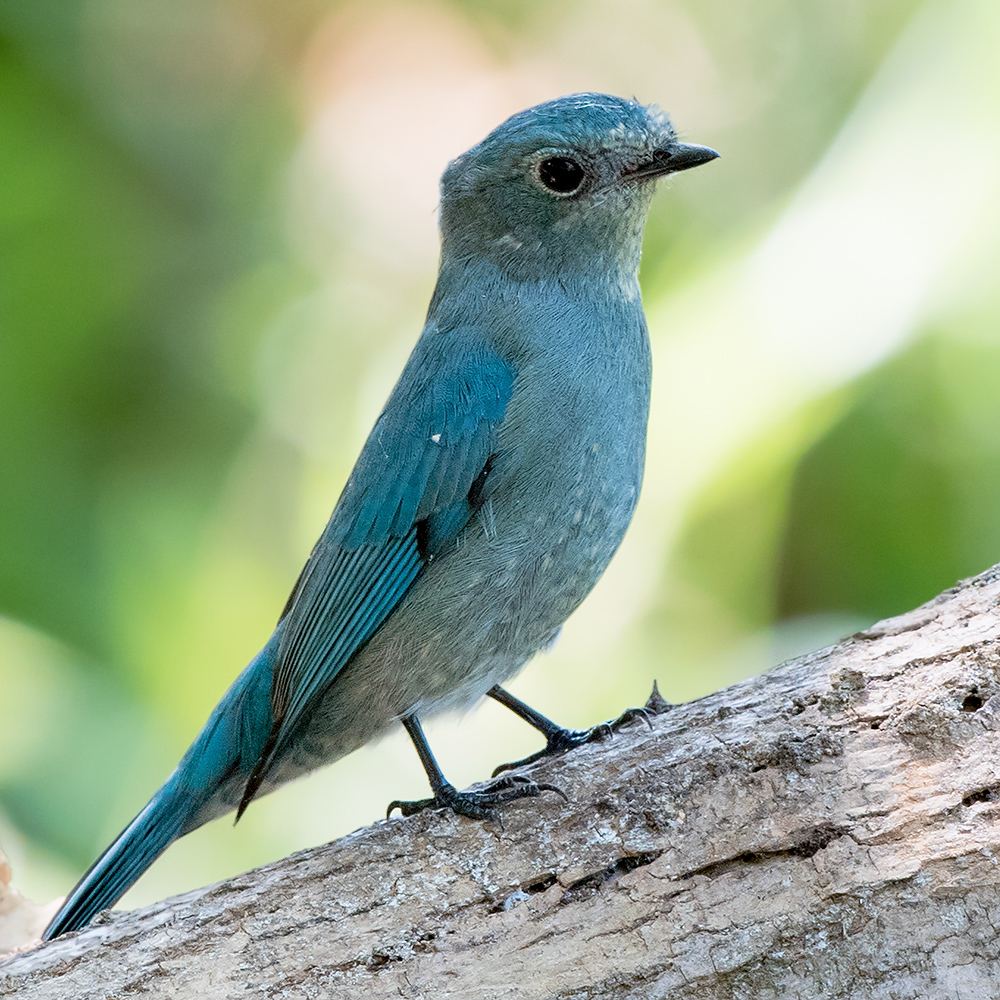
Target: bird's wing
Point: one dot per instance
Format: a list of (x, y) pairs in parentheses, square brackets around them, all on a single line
[(413, 489)]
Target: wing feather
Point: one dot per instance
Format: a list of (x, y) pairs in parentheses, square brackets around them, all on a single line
[(434, 438)]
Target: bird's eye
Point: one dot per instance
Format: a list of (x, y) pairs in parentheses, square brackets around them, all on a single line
[(560, 174)]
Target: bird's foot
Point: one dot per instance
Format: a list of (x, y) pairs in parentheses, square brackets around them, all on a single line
[(561, 740), (479, 804)]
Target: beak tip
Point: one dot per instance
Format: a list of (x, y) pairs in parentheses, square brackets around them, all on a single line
[(685, 155), (670, 159)]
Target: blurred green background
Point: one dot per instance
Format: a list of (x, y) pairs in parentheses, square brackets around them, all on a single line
[(217, 242)]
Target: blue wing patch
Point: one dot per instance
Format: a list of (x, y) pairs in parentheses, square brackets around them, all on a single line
[(407, 498), (427, 447)]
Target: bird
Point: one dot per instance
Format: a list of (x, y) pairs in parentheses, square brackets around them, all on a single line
[(492, 492)]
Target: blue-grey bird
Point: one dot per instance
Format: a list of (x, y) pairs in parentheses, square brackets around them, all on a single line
[(493, 490)]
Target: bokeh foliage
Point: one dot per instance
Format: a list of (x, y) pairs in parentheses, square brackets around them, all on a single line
[(210, 273)]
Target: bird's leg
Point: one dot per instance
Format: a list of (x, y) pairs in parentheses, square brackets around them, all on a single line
[(476, 804), (557, 739)]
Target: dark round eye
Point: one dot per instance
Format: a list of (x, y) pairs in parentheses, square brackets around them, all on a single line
[(560, 174)]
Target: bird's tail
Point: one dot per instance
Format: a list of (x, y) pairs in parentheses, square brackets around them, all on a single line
[(133, 851), (207, 783)]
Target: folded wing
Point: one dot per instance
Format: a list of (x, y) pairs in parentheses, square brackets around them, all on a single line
[(416, 484)]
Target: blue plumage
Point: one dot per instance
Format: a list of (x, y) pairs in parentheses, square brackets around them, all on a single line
[(206, 783), (491, 494)]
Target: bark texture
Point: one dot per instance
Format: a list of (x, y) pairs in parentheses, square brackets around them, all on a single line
[(830, 829)]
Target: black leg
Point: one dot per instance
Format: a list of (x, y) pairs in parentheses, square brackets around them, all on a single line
[(476, 805), (557, 739)]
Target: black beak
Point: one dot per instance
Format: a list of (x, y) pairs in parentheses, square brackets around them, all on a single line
[(671, 158)]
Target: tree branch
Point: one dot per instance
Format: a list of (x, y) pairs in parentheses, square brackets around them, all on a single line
[(828, 829)]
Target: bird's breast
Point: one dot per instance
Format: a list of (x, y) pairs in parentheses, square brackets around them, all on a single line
[(569, 465)]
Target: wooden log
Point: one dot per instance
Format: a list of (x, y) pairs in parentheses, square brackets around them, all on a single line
[(829, 829)]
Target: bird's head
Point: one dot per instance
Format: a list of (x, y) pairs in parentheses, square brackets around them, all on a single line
[(562, 187)]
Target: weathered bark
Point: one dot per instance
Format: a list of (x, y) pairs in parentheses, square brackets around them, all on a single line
[(829, 829)]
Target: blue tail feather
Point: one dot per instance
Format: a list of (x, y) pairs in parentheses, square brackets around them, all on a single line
[(134, 850), (207, 783)]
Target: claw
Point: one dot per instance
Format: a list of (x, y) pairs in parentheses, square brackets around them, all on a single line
[(566, 739), (478, 804), (542, 787), (630, 715)]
